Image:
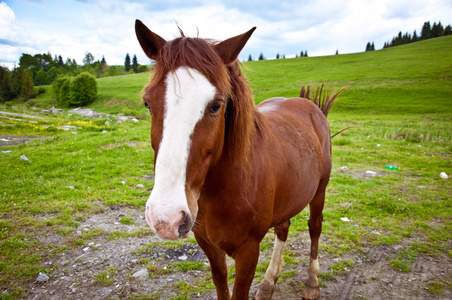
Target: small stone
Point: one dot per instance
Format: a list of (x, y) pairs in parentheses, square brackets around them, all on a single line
[(141, 274), (140, 186), (91, 244), (86, 249), (71, 187), (183, 257), (42, 278)]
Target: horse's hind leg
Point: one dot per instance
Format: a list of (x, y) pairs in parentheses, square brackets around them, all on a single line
[(267, 286), (312, 289)]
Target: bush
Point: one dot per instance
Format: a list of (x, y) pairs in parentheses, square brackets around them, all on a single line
[(83, 89), (64, 97), (142, 68), (56, 86)]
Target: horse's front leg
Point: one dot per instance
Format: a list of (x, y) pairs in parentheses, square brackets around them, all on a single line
[(218, 267), (246, 258)]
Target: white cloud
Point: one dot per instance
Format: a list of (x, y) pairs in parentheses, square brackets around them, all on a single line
[(106, 27)]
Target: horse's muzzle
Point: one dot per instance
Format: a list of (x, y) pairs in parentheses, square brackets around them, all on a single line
[(170, 226)]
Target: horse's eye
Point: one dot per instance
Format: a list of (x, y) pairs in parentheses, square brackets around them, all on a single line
[(147, 106), (215, 107)]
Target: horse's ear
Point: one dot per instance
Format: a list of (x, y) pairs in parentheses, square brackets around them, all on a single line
[(230, 49), (149, 41)]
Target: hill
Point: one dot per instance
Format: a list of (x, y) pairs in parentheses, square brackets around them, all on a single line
[(409, 79)]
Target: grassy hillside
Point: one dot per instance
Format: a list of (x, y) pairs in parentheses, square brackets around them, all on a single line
[(410, 79), (400, 105)]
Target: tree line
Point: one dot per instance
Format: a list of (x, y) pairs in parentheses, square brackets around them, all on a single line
[(278, 56), (428, 31), (43, 69)]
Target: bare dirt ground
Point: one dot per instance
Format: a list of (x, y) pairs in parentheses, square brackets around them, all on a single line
[(76, 271)]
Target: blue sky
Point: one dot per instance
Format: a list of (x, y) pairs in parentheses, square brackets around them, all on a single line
[(106, 27)]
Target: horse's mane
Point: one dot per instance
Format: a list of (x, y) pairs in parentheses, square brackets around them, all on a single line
[(200, 55)]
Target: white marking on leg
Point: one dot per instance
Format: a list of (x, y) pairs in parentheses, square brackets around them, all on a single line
[(313, 272), (187, 94), (276, 264)]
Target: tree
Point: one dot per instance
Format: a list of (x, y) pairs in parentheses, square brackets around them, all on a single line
[(5, 85), (437, 30), (103, 62), (89, 59), (306, 53), (135, 63), (60, 61), (261, 57), (415, 38), (64, 95), (426, 31), (250, 58), (337, 52), (83, 89), (127, 63), (277, 55)]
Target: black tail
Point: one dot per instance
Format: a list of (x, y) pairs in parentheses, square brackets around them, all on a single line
[(320, 98)]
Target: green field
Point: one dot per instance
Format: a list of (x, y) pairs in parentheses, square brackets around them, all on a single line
[(399, 103)]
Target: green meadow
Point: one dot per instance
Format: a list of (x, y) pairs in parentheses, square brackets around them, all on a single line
[(399, 107)]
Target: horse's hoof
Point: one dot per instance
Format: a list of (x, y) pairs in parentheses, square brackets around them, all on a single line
[(265, 291), (310, 293)]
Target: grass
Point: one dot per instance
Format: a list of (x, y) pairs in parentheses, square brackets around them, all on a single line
[(399, 104)]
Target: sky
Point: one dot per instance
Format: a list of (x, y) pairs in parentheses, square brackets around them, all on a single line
[(73, 28)]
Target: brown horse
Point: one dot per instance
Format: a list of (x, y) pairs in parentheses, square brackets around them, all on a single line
[(228, 170)]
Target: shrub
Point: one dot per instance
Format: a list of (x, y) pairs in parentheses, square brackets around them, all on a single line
[(64, 96), (56, 86), (83, 89), (142, 68)]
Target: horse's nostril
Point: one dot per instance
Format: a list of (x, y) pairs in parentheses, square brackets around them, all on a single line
[(185, 225)]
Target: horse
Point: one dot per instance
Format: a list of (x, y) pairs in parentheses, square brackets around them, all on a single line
[(229, 170)]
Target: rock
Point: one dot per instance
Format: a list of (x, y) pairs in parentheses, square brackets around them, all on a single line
[(127, 118), (71, 187), (140, 186), (183, 257), (86, 112), (68, 127), (42, 278), (141, 274)]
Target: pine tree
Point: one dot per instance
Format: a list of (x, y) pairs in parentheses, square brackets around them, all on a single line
[(250, 58), (135, 63), (103, 62), (261, 57), (277, 55), (426, 31), (305, 53), (127, 63), (415, 38)]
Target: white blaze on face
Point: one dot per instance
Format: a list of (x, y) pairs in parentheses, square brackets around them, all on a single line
[(187, 94)]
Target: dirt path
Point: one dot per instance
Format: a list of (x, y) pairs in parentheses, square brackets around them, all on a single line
[(105, 269)]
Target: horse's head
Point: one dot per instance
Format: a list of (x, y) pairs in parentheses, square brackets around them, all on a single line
[(187, 97)]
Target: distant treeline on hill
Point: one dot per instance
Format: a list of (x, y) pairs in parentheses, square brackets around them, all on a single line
[(43, 69), (427, 32)]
